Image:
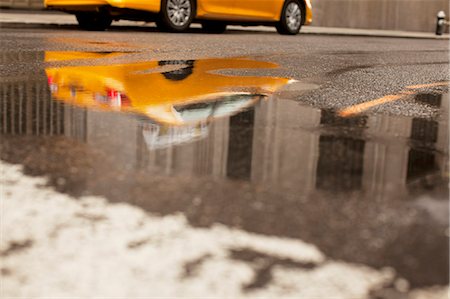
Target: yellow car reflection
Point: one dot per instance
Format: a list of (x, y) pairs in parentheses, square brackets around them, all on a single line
[(158, 136), (170, 92), (176, 15), (197, 117)]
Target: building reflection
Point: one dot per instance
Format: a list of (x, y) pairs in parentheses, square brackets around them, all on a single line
[(240, 145), (422, 161), (276, 143), (26, 105), (287, 145), (340, 165)]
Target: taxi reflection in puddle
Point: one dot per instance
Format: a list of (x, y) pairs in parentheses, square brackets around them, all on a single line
[(179, 98)]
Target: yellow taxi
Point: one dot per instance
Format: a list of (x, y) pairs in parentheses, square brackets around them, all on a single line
[(287, 16)]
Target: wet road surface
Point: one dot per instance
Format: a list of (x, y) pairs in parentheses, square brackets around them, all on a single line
[(338, 142)]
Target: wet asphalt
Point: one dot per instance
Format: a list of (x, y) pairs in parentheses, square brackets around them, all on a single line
[(351, 157)]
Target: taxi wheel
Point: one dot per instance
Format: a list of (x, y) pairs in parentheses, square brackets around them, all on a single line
[(180, 74), (214, 27), (291, 18), (176, 15), (94, 21)]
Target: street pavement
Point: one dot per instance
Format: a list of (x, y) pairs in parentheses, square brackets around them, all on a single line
[(143, 164), (23, 18)]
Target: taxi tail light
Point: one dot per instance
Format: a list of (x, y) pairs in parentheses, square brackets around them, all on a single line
[(51, 84), (117, 98)]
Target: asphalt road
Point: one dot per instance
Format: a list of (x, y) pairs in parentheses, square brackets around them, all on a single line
[(246, 164)]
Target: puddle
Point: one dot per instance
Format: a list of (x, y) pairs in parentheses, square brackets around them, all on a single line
[(177, 136), (175, 99), (174, 92)]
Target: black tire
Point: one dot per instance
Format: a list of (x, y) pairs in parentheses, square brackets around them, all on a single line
[(214, 27), (94, 21), (287, 25), (167, 23), (160, 25)]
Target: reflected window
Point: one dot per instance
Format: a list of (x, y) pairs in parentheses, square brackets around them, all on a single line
[(340, 165), (424, 130), (227, 105), (240, 145), (420, 163), (429, 99), (330, 118), (195, 112)]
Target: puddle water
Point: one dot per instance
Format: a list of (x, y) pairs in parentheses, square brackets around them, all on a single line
[(175, 92), (175, 99), (177, 136)]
